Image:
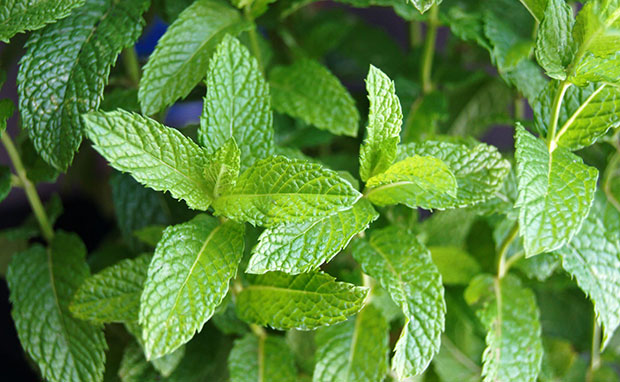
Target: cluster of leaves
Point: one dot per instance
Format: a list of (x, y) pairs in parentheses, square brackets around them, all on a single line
[(273, 232)]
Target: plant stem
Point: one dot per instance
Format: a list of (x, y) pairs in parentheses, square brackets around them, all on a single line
[(130, 60), (31, 192), (595, 360), (519, 109), (415, 33), (502, 265), (254, 41), (429, 49), (555, 116), (258, 330)]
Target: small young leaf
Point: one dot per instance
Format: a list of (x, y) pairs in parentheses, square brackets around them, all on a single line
[(181, 57), (424, 5), (354, 351), (554, 42), (555, 193), (277, 190), (187, 279), (155, 155), (42, 282), (223, 169), (305, 301), (257, 359), (309, 91)]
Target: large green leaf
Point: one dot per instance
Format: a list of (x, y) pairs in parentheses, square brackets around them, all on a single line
[(181, 57), (305, 301), (415, 182), (302, 247), (385, 118), (554, 42), (309, 91), (592, 257), (555, 193), (42, 282), (65, 69), (155, 155), (403, 266), (257, 359), (237, 104), (479, 170), (354, 351), (509, 312), (277, 190), (187, 279), (22, 15), (112, 295)]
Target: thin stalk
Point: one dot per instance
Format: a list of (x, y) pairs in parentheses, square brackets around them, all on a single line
[(31, 191), (502, 265), (429, 49), (595, 357), (415, 33), (555, 116), (519, 109), (258, 330), (130, 61)]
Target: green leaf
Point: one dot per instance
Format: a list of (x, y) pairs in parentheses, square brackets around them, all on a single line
[(305, 301), (592, 257), (302, 247), (181, 57), (237, 104), (425, 5), (134, 367), (277, 190), (509, 312), (6, 111), (112, 295), (309, 91), (5, 182), (403, 266), (187, 279), (479, 170), (82, 48), (164, 365), (385, 118), (555, 193), (416, 182), (18, 16), (150, 235), (554, 42), (354, 351), (42, 282), (455, 265), (155, 155), (257, 359), (536, 8), (223, 169)]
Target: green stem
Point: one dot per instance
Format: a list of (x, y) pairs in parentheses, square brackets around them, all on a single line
[(429, 49), (519, 109), (254, 41), (130, 60), (595, 360), (415, 33), (502, 265), (31, 192), (258, 330), (555, 116)]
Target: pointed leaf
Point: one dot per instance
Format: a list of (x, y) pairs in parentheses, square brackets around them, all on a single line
[(257, 359), (223, 169), (18, 16), (424, 5), (554, 42), (536, 8)]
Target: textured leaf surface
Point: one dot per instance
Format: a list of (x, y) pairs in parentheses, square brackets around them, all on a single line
[(254, 359), (112, 295), (479, 170), (555, 193), (415, 182), (237, 105), (277, 189), (42, 282), (187, 280), (554, 42), (223, 169), (22, 15), (305, 301), (514, 346), (65, 69), (309, 91), (302, 247), (155, 155), (592, 257), (385, 118), (403, 266), (424, 5), (354, 351), (181, 57)]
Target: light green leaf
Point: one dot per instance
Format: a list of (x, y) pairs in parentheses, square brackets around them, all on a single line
[(155, 155), (187, 279), (424, 5), (257, 359), (309, 91), (237, 104), (514, 346), (385, 118), (536, 8), (277, 190), (455, 265), (554, 42), (592, 257), (302, 247), (112, 295), (82, 48), (415, 181), (354, 351), (150, 235), (479, 170), (592, 68), (305, 301), (223, 169), (403, 266), (42, 282), (555, 193), (18, 16), (181, 57)]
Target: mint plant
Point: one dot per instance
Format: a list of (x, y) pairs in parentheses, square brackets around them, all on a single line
[(308, 228)]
